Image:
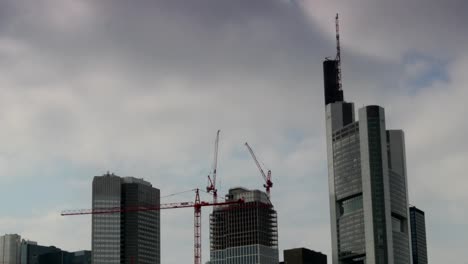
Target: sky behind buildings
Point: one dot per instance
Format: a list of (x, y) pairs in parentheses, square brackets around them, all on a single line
[(139, 88)]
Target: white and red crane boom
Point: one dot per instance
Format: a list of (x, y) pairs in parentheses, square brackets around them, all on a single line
[(197, 205), (211, 188), (268, 183)]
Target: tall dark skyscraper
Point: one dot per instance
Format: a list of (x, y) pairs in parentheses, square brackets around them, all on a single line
[(129, 237), (245, 233), (418, 236), (367, 181)]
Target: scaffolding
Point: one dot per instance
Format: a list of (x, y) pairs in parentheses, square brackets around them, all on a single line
[(240, 225)]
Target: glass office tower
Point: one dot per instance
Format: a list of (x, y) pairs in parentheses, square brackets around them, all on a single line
[(129, 237), (367, 181), (105, 243)]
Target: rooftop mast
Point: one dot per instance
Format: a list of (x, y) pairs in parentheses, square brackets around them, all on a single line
[(338, 53)]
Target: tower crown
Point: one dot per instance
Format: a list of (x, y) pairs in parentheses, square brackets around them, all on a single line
[(332, 72)]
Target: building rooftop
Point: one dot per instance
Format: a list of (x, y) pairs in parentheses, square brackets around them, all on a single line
[(237, 193)]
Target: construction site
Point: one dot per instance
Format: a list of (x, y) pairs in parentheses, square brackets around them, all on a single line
[(244, 233), (126, 220)]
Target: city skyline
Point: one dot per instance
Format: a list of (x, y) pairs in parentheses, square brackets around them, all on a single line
[(139, 90)]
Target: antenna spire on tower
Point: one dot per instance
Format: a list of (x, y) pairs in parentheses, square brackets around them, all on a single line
[(338, 53)]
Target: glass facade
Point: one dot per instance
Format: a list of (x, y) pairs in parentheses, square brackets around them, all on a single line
[(418, 236), (348, 190), (377, 182), (398, 196), (129, 237), (347, 161), (368, 188), (140, 230), (351, 234), (252, 254), (106, 227), (10, 249)]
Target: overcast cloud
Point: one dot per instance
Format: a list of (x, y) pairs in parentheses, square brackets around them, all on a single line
[(140, 87)]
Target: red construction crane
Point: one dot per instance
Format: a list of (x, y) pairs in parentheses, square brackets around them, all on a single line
[(211, 188), (268, 184), (197, 205)]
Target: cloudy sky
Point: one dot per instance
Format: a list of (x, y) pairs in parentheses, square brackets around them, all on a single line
[(139, 88)]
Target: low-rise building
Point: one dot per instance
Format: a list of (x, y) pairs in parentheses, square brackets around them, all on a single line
[(303, 256)]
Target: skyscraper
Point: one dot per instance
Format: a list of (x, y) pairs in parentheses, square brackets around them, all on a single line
[(367, 180), (10, 249), (244, 233), (129, 237), (418, 236)]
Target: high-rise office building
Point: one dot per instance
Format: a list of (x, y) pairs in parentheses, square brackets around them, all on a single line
[(10, 247), (244, 233), (128, 237), (367, 181), (418, 236), (303, 256), (106, 233)]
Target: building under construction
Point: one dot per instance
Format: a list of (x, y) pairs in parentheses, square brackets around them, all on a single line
[(244, 233)]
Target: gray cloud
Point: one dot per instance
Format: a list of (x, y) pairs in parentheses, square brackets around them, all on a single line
[(390, 29), (140, 88)]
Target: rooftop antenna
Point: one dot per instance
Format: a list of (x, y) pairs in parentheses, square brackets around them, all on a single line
[(338, 53)]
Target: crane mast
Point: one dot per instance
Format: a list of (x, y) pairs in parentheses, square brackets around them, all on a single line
[(212, 181), (197, 247), (267, 178)]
